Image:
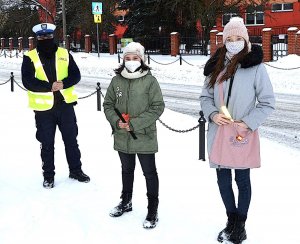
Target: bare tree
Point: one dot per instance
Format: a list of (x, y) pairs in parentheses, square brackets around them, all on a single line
[(48, 8), (17, 18)]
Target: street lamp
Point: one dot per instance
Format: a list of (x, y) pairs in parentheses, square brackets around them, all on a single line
[(64, 22)]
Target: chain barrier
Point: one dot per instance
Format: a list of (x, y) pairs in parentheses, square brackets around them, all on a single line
[(23, 88), (281, 68), (93, 93), (102, 94), (4, 53), (175, 130), (99, 93), (187, 62), (5, 82), (162, 63)]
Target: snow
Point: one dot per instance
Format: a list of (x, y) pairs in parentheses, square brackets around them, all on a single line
[(286, 81), (293, 29), (190, 209), (266, 29)]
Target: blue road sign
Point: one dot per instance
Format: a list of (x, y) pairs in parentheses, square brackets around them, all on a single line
[(97, 7)]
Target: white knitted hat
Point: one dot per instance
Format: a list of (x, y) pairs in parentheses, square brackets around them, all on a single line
[(235, 27), (135, 48)]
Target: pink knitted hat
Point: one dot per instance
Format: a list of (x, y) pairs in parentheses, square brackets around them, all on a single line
[(235, 27)]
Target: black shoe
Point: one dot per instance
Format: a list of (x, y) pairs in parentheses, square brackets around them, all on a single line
[(80, 176), (224, 235), (48, 182), (124, 206)]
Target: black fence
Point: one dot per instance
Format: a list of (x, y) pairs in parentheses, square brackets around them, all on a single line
[(153, 46), (162, 45), (193, 46), (256, 39)]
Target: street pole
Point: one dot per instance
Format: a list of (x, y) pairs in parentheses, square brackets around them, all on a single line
[(98, 39), (46, 12), (64, 22)]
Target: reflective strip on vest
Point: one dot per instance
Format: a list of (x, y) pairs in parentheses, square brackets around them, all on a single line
[(42, 101)]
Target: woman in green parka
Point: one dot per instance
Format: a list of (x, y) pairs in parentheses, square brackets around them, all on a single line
[(136, 94)]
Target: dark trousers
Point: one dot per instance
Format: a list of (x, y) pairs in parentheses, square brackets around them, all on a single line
[(63, 116), (242, 179), (149, 170)]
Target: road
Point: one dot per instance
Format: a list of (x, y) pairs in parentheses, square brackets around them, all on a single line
[(282, 126)]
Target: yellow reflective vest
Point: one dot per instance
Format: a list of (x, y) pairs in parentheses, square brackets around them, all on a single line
[(42, 101)]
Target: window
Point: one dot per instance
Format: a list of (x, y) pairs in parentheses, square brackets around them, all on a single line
[(255, 15), (227, 17), (277, 7)]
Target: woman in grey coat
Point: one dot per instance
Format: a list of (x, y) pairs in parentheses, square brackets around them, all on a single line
[(251, 102)]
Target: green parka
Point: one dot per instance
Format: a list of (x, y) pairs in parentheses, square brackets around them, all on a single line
[(142, 99)]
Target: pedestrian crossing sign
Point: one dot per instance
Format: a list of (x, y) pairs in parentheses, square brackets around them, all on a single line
[(97, 18), (97, 8)]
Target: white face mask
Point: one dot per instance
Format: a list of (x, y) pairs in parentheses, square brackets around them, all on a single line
[(132, 65), (235, 47)]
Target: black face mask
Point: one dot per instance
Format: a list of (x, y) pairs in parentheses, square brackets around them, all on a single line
[(46, 47)]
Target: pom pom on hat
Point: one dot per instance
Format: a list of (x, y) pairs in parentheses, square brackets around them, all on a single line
[(235, 27), (135, 48)]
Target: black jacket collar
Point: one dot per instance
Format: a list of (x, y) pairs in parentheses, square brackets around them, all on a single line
[(253, 58)]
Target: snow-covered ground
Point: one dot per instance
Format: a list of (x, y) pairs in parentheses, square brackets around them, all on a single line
[(190, 210), (190, 72)]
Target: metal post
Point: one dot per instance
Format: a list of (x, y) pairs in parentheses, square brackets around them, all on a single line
[(202, 122), (12, 81), (180, 58), (64, 22), (148, 58), (98, 96), (46, 12), (119, 58), (98, 44)]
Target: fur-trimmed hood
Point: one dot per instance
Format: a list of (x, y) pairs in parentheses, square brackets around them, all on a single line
[(253, 58)]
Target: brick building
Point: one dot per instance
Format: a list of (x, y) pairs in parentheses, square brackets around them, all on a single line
[(277, 14)]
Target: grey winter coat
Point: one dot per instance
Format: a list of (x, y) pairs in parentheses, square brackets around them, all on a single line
[(252, 98)]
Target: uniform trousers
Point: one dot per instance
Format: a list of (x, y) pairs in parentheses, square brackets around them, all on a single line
[(61, 116)]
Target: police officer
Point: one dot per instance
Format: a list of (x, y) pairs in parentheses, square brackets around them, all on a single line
[(49, 73)]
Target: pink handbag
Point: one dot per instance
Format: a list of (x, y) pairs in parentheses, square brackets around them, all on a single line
[(235, 146)]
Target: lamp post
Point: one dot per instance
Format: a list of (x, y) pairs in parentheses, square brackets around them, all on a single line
[(161, 43), (204, 41), (64, 22)]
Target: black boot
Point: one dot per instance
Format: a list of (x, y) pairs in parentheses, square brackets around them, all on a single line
[(124, 206), (80, 176), (151, 218), (226, 232), (238, 234)]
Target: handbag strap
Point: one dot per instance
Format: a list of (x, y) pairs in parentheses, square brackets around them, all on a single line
[(229, 91), (221, 91)]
